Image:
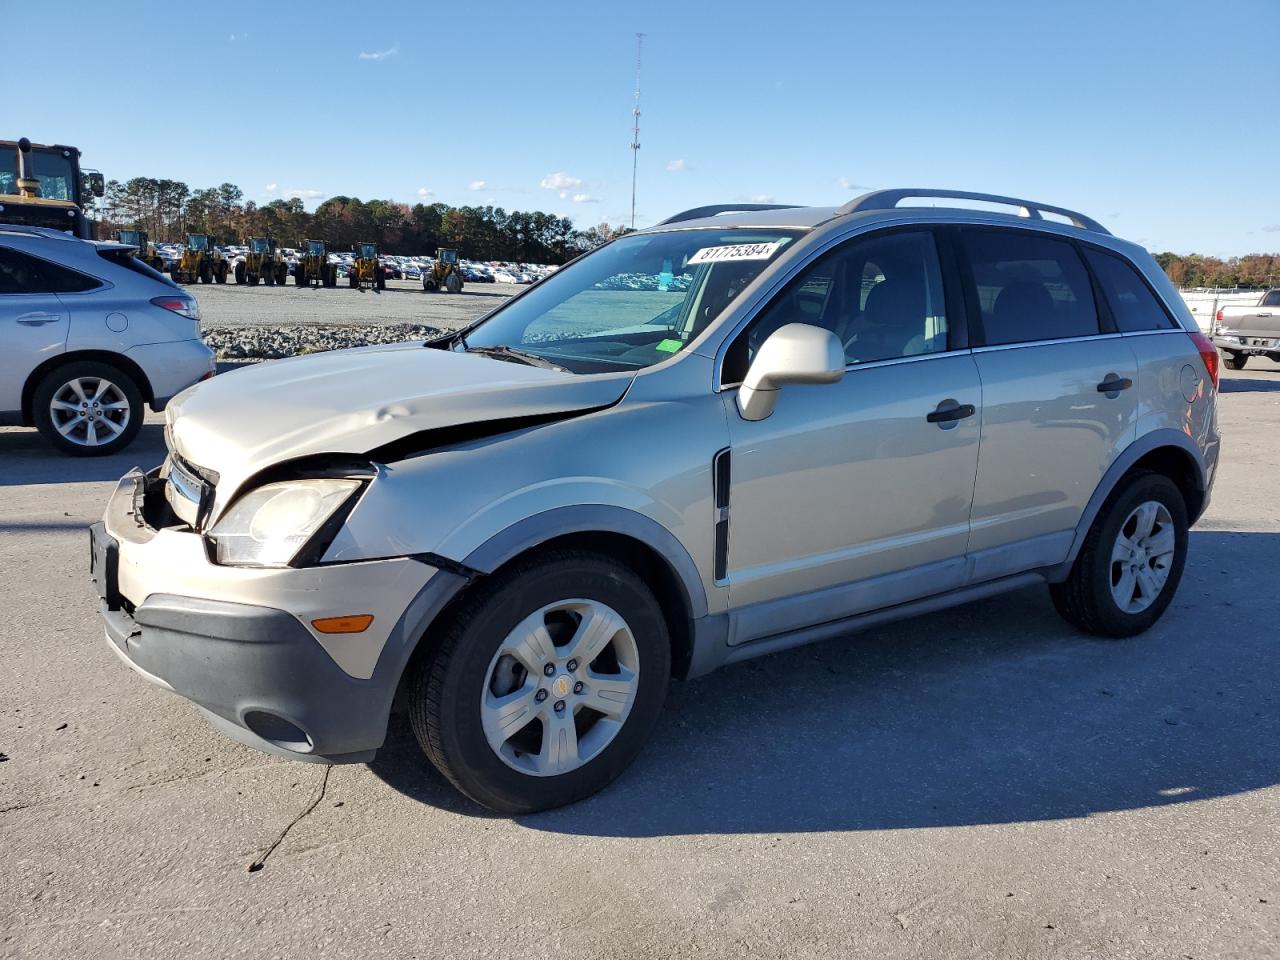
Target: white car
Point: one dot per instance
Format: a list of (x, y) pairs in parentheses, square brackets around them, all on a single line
[(89, 334)]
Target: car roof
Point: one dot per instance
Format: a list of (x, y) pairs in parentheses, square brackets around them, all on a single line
[(879, 205)]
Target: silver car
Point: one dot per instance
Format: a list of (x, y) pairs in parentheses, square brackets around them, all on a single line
[(742, 430), (89, 336)]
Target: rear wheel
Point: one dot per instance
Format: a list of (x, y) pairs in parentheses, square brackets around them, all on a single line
[(382, 281), (239, 273), (1235, 361), (221, 275), (88, 408), (546, 683), (1131, 561)]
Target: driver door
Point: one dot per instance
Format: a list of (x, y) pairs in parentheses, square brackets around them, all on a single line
[(855, 495)]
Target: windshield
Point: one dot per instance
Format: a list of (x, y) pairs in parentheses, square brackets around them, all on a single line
[(260, 245), (315, 248), (368, 251), (55, 172), (634, 302), (198, 241)]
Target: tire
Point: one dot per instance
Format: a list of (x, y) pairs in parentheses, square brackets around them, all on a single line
[(448, 685), (1235, 361), (205, 275), (353, 280), (381, 283), (92, 376), (428, 285), (1274, 357), (240, 275), (221, 275), (1087, 599), (453, 283)]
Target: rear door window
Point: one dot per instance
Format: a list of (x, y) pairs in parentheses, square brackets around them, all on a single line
[(22, 273), (1132, 303), (1272, 299), (1028, 286)]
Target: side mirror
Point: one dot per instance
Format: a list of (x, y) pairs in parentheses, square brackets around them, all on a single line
[(96, 184), (795, 353)]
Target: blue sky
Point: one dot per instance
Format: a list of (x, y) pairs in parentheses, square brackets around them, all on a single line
[(1161, 119)]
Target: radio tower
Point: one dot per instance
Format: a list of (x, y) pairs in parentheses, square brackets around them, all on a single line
[(635, 130)]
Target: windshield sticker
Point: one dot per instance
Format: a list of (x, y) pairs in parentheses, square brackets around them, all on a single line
[(737, 251), (670, 346)]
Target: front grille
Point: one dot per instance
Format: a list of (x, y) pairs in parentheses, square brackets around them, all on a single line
[(187, 492)]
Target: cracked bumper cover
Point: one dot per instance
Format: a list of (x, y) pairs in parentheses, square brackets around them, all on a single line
[(256, 671)]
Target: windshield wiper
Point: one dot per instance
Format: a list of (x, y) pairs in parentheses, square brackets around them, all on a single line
[(519, 356)]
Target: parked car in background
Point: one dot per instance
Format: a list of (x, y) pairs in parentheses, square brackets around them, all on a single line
[(89, 336), (391, 270), (1241, 332), (739, 431)]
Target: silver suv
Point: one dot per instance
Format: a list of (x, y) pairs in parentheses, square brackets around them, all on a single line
[(744, 429)]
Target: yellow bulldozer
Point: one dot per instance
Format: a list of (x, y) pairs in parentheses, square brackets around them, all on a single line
[(444, 273), (314, 267), (366, 271), (262, 262), (43, 186), (146, 249), (201, 261)]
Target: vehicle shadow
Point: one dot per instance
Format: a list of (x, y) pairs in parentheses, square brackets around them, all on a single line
[(25, 458), (992, 713), (1245, 384)]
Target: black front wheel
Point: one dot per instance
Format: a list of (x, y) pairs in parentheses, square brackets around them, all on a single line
[(1235, 361), (546, 682)]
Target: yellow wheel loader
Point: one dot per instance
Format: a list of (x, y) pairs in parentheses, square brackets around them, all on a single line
[(42, 185), (444, 273), (314, 268), (366, 271), (146, 249), (201, 261), (262, 263)]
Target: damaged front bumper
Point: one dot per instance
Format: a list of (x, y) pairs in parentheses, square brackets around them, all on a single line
[(239, 642)]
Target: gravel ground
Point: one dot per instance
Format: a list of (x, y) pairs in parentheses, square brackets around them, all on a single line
[(980, 783), (289, 320)]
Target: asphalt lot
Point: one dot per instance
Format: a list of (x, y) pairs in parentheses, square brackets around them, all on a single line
[(403, 301), (982, 783)]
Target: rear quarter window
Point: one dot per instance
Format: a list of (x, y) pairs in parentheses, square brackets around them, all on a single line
[(1132, 303), (123, 258), (22, 273), (1272, 299)]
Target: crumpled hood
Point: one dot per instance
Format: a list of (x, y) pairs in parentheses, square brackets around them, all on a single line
[(352, 401)]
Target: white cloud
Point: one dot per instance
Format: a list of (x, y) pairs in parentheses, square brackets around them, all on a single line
[(271, 187), (425, 193), (477, 185), (846, 184), (295, 193), (762, 198), (584, 198), (1271, 228), (380, 54), (560, 182), (676, 166)]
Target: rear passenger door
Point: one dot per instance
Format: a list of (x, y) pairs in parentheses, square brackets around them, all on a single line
[(1058, 395), (33, 321)]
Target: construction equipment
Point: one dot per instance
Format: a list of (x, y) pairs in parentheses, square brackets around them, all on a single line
[(262, 262), (146, 249), (444, 273), (366, 271), (43, 186), (314, 267), (201, 260)]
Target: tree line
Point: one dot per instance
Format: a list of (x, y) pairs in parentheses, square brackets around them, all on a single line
[(1259, 270), (170, 209)]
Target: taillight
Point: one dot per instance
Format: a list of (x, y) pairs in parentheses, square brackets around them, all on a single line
[(1209, 354), (1217, 317), (183, 305)]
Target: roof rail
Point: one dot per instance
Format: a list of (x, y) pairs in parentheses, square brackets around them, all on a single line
[(889, 199), (698, 212)]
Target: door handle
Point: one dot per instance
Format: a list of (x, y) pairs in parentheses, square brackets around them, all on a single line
[(36, 318), (948, 411), (1262, 314), (1114, 384)]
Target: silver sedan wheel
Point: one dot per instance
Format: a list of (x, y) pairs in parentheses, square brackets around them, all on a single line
[(90, 411), (560, 687), (1142, 556)]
